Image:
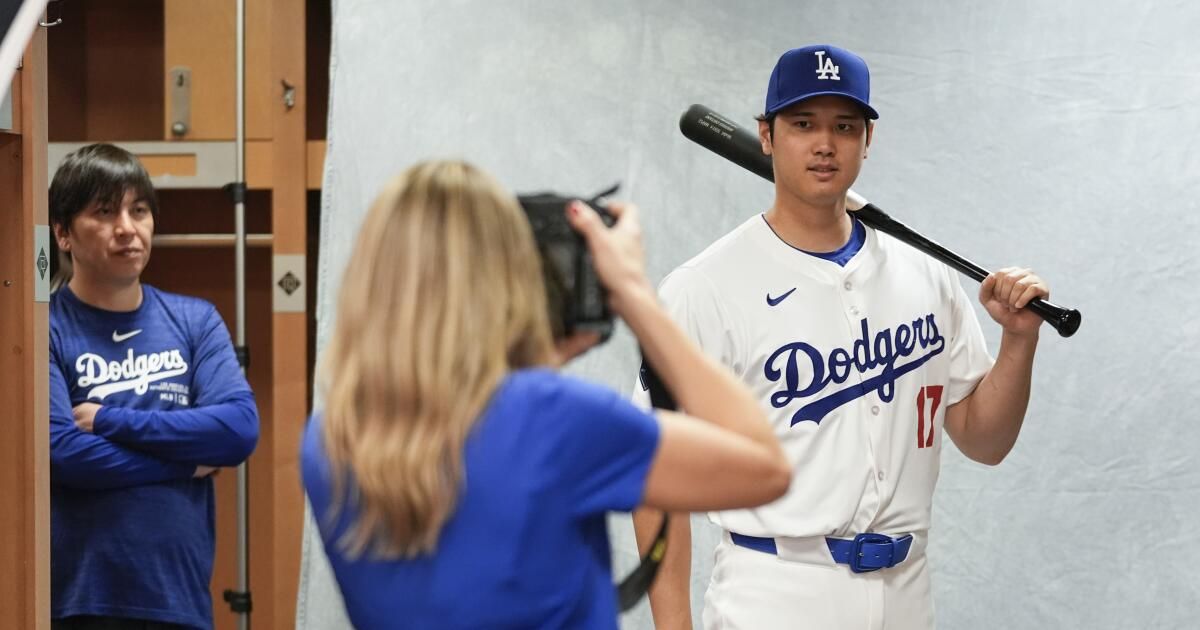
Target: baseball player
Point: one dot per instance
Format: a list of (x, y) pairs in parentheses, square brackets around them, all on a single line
[(863, 350)]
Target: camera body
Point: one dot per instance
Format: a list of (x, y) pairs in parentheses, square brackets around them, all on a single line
[(576, 299)]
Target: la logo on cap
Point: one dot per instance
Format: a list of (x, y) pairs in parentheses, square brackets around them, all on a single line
[(825, 68)]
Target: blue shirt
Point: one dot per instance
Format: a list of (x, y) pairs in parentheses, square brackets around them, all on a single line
[(527, 546), (131, 532)]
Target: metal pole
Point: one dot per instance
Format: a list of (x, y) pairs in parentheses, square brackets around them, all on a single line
[(204, 239), (239, 248)]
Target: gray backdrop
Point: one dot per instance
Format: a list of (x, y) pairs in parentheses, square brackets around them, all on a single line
[(1058, 136)]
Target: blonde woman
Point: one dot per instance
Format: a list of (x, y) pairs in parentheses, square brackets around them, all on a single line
[(458, 480)]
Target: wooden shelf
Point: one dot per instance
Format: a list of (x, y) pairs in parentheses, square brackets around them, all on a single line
[(206, 164)]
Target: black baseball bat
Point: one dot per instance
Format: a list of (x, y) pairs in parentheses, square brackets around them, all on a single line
[(738, 145)]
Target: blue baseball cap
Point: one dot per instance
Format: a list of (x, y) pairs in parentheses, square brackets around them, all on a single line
[(818, 70)]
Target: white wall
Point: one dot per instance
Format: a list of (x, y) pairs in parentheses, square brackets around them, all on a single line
[(1061, 136)]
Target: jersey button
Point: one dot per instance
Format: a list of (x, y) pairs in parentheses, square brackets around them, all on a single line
[(875, 411), (854, 310), (848, 285), (879, 475)]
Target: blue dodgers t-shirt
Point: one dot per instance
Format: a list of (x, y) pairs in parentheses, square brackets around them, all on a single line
[(131, 532), (527, 546)]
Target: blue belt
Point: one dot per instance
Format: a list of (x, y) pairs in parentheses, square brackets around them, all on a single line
[(864, 553)]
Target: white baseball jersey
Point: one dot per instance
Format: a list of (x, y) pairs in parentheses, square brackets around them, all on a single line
[(856, 366)]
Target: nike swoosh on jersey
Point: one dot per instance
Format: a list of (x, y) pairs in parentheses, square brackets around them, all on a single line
[(775, 301), (118, 338)]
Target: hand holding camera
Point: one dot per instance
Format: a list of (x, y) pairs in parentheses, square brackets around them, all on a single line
[(570, 234), (592, 259), (617, 253)]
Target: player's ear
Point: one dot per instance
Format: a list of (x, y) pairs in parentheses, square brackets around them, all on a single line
[(764, 136), (870, 131), (60, 235)]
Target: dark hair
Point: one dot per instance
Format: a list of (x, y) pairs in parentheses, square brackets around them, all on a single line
[(770, 120), (97, 172)]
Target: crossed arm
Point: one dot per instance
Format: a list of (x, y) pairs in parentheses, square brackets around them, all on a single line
[(136, 447), (222, 434), (106, 446)]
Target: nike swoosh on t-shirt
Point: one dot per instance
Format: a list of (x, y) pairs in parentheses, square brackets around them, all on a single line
[(118, 338)]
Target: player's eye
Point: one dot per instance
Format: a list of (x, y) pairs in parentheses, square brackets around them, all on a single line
[(845, 127), (802, 123)]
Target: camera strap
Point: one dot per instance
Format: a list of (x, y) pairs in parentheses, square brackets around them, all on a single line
[(638, 582), (612, 190)]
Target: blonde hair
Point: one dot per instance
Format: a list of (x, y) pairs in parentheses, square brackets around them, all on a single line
[(443, 297)]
